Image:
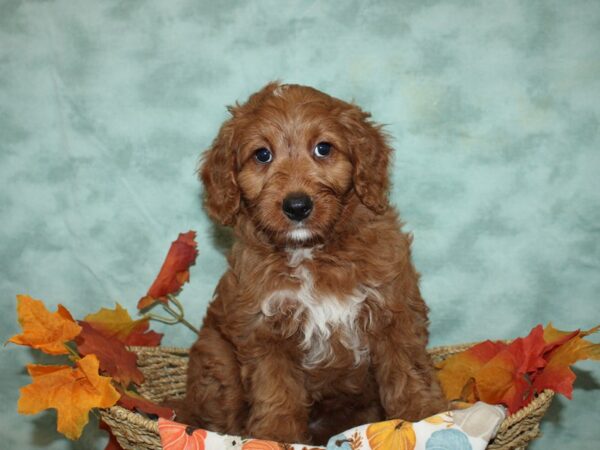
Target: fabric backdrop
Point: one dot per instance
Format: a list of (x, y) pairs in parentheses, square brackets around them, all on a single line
[(493, 108)]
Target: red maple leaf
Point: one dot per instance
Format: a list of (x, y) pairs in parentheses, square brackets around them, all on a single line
[(112, 443), (174, 271), (137, 403), (144, 338), (503, 379), (557, 375), (512, 374), (114, 358)]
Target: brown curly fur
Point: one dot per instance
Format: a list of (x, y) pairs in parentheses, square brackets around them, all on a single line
[(258, 368)]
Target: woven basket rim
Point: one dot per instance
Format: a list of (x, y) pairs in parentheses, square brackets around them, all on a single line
[(133, 417), (152, 425), (445, 349), (442, 349)]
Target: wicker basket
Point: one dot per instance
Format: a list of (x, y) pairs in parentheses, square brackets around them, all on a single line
[(165, 373)]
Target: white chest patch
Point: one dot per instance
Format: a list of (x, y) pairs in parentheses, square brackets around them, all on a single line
[(322, 314)]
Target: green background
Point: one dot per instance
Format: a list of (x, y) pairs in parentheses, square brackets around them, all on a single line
[(493, 107)]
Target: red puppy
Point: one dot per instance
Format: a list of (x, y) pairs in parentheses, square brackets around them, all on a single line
[(318, 325)]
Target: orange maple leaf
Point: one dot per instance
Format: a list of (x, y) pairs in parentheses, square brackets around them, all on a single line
[(555, 338), (42, 329), (174, 271), (502, 378), (117, 323), (114, 358), (513, 373), (72, 392), (557, 374), (501, 381), (458, 371)]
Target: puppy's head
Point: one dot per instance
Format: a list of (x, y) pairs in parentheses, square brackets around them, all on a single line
[(290, 159)]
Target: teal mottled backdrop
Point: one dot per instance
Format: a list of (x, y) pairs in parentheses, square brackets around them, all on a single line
[(494, 109)]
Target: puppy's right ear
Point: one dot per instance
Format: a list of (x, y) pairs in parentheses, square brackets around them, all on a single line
[(218, 169)]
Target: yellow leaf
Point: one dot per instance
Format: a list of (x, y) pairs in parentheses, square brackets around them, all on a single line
[(552, 334), (557, 375), (115, 322), (391, 435), (590, 331), (42, 329), (72, 392)]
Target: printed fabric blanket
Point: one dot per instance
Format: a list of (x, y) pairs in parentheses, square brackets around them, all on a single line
[(463, 429)]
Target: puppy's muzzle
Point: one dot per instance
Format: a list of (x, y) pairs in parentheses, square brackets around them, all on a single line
[(297, 206)]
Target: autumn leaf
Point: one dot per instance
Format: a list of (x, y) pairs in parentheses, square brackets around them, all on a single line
[(117, 323), (457, 370), (503, 378), (501, 382), (174, 271), (557, 374), (144, 337), (114, 358), (555, 338), (114, 322), (137, 403), (494, 371), (528, 350), (72, 392), (42, 329), (112, 443), (511, 374)]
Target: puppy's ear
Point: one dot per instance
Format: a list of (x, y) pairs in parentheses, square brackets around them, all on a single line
[(370, 156), (217, 171)]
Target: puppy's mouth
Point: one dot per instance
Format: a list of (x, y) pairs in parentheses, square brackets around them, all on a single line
[(300, 234)]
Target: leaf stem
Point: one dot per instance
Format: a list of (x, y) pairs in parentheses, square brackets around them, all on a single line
[(179, 315), (163, 319), (74, 355)]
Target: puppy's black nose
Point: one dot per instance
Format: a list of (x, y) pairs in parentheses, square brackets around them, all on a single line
[(297, 206)]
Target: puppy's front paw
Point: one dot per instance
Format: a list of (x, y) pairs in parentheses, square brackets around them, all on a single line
[(280, 428)]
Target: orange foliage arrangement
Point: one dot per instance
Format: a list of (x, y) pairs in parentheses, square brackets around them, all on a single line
[(513, 373), (103, 372)]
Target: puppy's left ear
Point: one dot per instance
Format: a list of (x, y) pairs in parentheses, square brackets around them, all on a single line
[(222, 194), (370, 154)]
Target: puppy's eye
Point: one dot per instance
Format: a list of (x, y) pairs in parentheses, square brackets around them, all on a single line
[(322, 150), (263, 155)]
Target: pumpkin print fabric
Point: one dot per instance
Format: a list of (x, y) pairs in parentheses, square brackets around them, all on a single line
[(467, 429), (176, 436)]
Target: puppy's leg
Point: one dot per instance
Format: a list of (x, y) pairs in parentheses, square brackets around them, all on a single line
[(278, 399), (408, 387), (326, 422), (215, 399)]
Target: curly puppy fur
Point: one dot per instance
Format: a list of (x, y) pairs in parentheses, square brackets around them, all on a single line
[(318, 324)]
